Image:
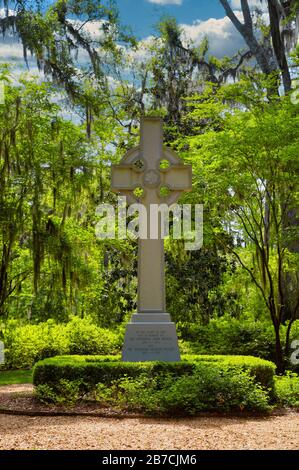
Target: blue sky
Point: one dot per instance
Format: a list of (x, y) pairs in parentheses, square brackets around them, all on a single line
[(143, 15), (197, 18)]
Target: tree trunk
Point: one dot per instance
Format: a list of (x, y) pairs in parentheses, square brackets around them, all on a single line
[(288, 337), (265, 62), (280, 363), (278, 45)]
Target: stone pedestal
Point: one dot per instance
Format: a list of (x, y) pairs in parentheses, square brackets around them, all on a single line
[(151, 337)]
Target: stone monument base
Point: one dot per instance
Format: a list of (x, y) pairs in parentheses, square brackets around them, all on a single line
[(151, 337)]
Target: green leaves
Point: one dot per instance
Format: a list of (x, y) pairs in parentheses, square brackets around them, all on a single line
[(52, 177), (246, 156), (210, 383)]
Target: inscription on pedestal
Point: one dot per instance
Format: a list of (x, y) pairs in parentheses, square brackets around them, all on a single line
[(151, 342)]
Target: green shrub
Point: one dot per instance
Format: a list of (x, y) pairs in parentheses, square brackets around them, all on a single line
[(104, 369), (196, 383), (230, 336), (287, 390), (25, 345), (215, 388), (132, 393), (84, 337), (28, 344), (66, 392), (207, 389), (227, 335), (262, 370)]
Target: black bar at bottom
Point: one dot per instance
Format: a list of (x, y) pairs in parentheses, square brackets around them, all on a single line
[(147, 459)]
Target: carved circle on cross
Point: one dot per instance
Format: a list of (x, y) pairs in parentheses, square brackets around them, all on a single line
[(139, 164), (151, 179)]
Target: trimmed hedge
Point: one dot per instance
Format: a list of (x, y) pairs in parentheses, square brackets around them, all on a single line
[(105, 369), (263, 371), (196, 383)]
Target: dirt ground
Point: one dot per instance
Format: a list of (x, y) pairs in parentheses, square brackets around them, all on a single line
[(275, 432)]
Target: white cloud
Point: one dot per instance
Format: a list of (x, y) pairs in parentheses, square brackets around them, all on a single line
[(94, 29), (12, 51), (261, 4), (143, 51), (224, 39), (166, 2), (3, 12)]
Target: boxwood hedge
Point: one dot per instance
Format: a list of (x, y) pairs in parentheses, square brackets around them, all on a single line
[(196, 383)]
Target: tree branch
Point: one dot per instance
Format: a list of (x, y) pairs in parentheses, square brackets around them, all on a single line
[(231, 15), (247, 14)]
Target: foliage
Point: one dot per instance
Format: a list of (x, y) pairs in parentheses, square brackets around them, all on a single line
[(84, 337), (52, 179), (232, 336), (66, 393), (173, 68), (241, 139), (261, 371), (119, 287), (27, 344), (55, 34), (197, 275), (95, 369), (197, 383), (287, 390), (208, 389), (251, 205)]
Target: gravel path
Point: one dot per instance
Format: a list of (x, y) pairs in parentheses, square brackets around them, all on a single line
[(275, 432)]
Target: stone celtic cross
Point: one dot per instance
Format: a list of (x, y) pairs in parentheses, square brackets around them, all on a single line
[(151, 174)]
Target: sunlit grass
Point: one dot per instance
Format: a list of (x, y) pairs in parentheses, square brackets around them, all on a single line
[(12, 377)]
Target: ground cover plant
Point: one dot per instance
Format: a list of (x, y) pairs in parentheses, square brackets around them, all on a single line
[(198, 383)]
